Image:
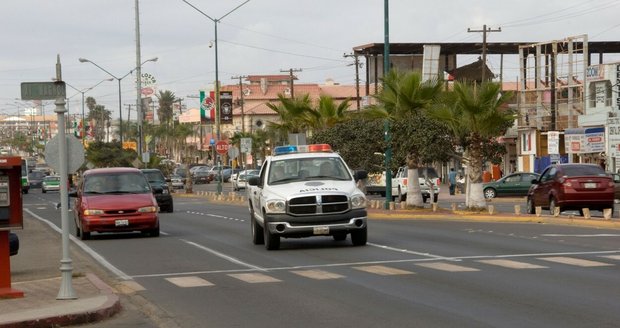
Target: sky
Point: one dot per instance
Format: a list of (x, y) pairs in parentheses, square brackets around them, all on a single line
[(261, 37)]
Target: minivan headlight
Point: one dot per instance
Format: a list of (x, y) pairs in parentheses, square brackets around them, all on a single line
[(93, 212), (148, 209)]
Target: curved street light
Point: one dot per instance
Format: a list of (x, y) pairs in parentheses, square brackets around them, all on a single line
[(120, 108), (83, 91), (218, 115)]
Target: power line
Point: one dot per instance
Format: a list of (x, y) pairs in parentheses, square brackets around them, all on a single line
[(292, 78), (484, 31)]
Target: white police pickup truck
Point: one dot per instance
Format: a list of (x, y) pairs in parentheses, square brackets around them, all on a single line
[(305, 191)]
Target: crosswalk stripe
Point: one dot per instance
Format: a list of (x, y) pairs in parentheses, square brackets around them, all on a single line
[(574, 261), (613, 257), (382, 270), (189, 281), (317, 274), (447, 267), (254, 278), (512, 264)]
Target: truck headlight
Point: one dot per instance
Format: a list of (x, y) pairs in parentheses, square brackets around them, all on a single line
[(358, 201), (276, 206)]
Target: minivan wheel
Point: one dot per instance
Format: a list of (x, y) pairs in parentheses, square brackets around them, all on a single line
[(552, 206), (529, 207)]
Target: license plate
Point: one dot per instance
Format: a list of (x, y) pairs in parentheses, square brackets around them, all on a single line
[(121, 223), (590, 185), (321, 230)]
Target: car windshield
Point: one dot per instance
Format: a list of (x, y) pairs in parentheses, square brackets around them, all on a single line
[(583, 170), (116, 183), (49, 179), (320, 168), (154, 176)]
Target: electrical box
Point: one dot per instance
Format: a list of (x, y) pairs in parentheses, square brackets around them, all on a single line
[(11, 212)]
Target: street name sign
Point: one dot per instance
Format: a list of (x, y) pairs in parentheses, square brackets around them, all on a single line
[(43, 90)]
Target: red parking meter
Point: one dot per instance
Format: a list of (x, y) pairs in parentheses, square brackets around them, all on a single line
[(11, 218)]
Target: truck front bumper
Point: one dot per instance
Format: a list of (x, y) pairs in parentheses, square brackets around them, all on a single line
[(327, 224)]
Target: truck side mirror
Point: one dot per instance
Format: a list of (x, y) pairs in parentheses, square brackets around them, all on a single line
[(253, 181)]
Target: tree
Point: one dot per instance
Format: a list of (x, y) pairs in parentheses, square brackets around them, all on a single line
[(102, 154), (165, 99), (403, 98), (293, 117), (327, 114), (475, 114), (100, 116)]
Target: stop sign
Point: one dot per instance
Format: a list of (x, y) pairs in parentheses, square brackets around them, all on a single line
[(221, 147)]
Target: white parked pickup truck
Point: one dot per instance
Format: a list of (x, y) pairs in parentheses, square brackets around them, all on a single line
[(427, 176), (305, 191)]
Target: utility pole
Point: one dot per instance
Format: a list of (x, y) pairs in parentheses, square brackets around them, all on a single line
[(242, 100), (357, 77), (291, 78), (484, 31)]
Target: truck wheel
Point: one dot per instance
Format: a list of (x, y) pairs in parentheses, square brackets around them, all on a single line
[(435, 198), (424, 199), (340, 236), (258, 237), (272, 242), (359, 237)]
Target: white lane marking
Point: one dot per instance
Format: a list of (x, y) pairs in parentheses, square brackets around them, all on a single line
[(512, 264), (347, 264), (613, 257), (447, 267), (574, 261), (254, 278), (317, 274), (189, 282), (400, 250), (224, 256), (120, 274), (215, 216), (129, 287), (382, 270), (164, 233), (582, 235)]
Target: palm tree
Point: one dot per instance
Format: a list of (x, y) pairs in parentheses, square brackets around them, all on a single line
[(404, 97), (293, 116), (166, 99), (327, 114), (475, 114)]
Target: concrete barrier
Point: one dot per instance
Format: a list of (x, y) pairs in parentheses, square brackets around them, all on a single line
[(607, 212), (517, 209), (538, 211), (586, 213)]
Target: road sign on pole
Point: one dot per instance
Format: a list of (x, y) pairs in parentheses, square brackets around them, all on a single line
[(222, 147), (43, 90), (246, 145)]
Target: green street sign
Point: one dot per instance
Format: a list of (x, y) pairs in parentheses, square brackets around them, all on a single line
[(43, 90)]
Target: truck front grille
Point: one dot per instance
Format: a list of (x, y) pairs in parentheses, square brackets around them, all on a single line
[(310, 205)]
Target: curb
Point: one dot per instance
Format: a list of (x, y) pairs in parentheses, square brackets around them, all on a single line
[(107, 307), (440, 214)]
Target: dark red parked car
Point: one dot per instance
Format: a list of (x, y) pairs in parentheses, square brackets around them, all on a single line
[(572, 187)]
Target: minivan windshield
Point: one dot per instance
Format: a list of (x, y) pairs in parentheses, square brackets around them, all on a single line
[(116, 183)]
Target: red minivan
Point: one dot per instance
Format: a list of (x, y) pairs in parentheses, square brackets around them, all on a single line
[(572, 187), (114, 200)]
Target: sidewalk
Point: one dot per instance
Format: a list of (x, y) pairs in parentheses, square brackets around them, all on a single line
[(35, 272)]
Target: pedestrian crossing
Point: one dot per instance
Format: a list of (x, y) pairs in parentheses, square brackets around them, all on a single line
[(385, 270)]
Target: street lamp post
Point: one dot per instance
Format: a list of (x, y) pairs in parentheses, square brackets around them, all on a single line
[(218, 113), (386, 123), (120, 108), (83, 92)]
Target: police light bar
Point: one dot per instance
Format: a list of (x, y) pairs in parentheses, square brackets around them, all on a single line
[(315, 148)]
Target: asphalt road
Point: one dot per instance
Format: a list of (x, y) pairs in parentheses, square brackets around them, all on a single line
[(204, 271)]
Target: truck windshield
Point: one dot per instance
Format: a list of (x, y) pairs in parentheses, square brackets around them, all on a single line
[(321, 168)]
